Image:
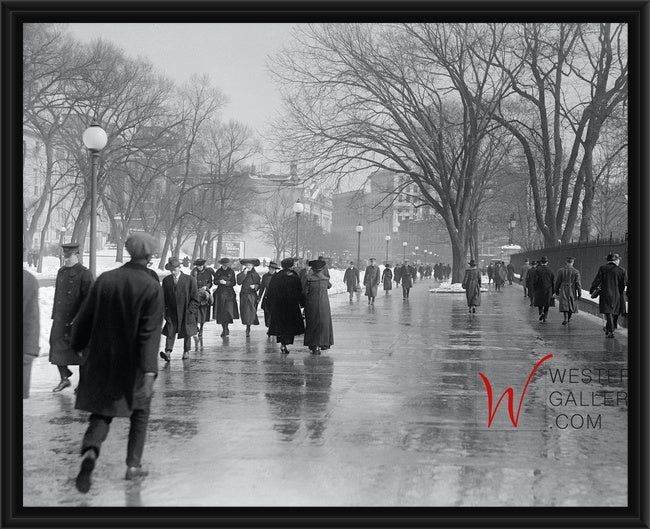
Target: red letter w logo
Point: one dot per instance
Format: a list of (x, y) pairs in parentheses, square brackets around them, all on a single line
[(511, 396)]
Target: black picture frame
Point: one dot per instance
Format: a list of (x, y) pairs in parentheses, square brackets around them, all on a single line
[(635, 13)]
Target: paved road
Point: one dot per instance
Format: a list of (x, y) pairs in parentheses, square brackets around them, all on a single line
[(394, 414)]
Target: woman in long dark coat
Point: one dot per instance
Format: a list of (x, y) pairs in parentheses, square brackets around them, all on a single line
[(284, 298), (472, 285), (568, 289), (225, 300), (387, 278), (318, 329), (544, 285), (250, 281), (203, 278)]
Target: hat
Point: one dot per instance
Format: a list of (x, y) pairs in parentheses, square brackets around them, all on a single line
[(224, 260), (287, 263), (317, 264), (613, 257), (69, 246), (273, 264), (254, 261), (526, 261), (199, 262), (372, 259), (172, 263), (544, 259), (388, 265), (140, 245), (570, 259), (472, 262)]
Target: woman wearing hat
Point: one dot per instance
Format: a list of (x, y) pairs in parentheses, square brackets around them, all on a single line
[(318, 329), (225, 300), (284, 298), (387, 278), (203, 278), (472, 285), (250, 281), (264, 285)]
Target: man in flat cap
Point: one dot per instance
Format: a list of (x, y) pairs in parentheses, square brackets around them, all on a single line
[(73, 282), (119, 324), (609, 287)]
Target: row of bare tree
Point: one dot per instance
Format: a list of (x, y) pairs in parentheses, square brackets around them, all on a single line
[(451, 107)]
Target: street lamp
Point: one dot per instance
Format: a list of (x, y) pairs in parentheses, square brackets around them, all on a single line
[(405, 244), (298, 208), (359, 229), (513, 223), (95, 139), (416, 253), (387, 242)]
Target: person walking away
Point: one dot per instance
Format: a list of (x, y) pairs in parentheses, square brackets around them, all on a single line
[(530, 281), (261, 294), (351, 279), (203, 277), (250, 282), (490, 273), (522, 277), (225, 300), (510, 272), (73, 283), (414, 273), (31, 328), (407, 279), (284, 299), (318, 320), (609, 286), (371, 279), (326, 271), (544, 284), (387, 278), (119, 324), (181, 297), (472, 285), (499, 276), (397, 274), (568, 289)]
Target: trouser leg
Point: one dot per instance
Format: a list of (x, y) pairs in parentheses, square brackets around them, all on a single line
[(64, 371), (614, 321), (169, 342), (137, 437), (96, 433), (187, 343)]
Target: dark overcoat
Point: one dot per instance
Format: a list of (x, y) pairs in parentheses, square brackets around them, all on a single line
[(318, 319), (284, 297), (472, 285), (524, 273), (371, 279), (203, 280), (181, 306), (612, 279), (119, 323), (568, 289), (250, 284), (398, 274), (530, 281), (387, 279), (351, 279), (225, 299), (73, 285), (262, 296), (544, 285), (499, 274), (407, 277)]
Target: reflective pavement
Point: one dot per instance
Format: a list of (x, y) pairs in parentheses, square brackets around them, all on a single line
[(395, 414)]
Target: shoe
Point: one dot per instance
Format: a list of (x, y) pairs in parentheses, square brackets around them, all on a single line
[(284, 350), (248, 332), (541, 317), (223, 334), (65, 383), (610, 334), (473, 310), (165, 356), (564, 322), (186, 355), (135, 472), (470, 309), (83, 478), (318, 348)]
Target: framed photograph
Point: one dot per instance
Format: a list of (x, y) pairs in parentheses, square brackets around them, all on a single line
[(325, 264)]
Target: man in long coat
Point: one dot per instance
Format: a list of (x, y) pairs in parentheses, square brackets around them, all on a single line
[(407, 279), (31, 328), (510, 272), (318, 329), (73, 283), (351, 279), (522, 277), (490, 272), (371, 278), (261, 294), (397, 275), (472, 285), (250, 281), (225, 299), (544, 285), (609, 285), (387, 278), (119, 323), (203, 277), (568, 289), (284, 299), (181, 305), (530, 281)]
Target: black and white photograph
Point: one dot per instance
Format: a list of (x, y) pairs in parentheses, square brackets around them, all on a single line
[(329, 263)]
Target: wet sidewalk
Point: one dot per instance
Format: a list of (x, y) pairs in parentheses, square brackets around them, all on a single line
[(395, 414)]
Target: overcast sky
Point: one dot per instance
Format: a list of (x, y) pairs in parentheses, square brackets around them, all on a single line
[(233, 55)]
